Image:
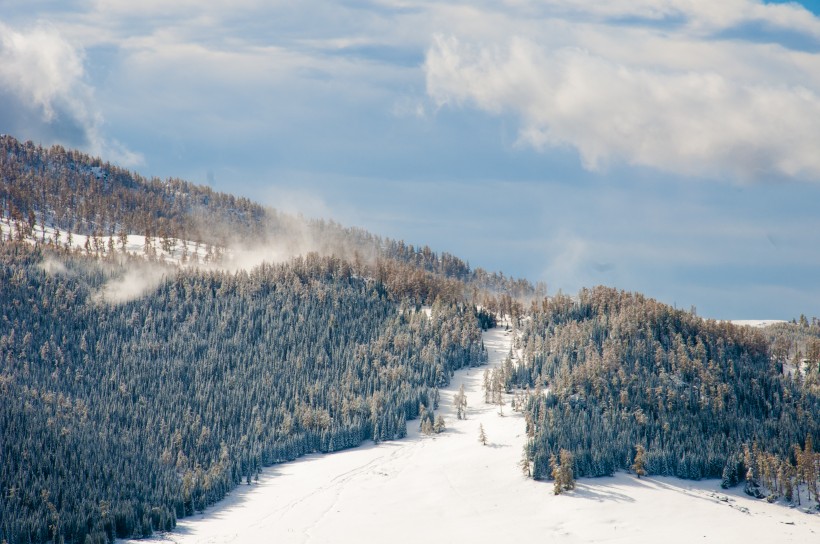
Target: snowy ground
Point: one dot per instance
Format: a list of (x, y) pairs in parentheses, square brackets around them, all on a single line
[(757, 323), (450, 488), (178, 252)]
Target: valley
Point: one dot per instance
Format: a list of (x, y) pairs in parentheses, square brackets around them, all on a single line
[(449, 487)]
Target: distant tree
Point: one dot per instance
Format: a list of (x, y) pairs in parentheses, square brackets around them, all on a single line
[(422, 416), (730, 477), (32, 222), (460, 401), (562, 472), (482, 436), (148, 247), (122, 238), (529, 425), (555, 472), (439, 425), (803, 321), (167, 243), (813, 356), (567, 472), (786, 478), (498, 390), (781, 347), (427, 427), (807, 466), (639, 464), (525, 462)]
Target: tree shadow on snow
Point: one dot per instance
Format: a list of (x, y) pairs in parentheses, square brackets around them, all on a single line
[(600, 493)]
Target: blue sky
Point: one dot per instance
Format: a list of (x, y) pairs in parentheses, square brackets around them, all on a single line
[(668, 147)]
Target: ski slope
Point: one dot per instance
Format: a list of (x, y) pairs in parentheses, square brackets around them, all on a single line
[(450, 488)]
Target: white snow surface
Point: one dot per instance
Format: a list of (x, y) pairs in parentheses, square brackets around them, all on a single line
[(757, 323), (450, 488), (134, 244)]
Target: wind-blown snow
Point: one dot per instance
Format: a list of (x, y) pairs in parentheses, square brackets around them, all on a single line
[(450, 488)]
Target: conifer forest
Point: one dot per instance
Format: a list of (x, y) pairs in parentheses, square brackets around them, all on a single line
[(617, 373), (117, 418)]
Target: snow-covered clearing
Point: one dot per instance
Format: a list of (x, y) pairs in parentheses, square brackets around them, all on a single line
[(450, 488), (176, 251), (757, 323)]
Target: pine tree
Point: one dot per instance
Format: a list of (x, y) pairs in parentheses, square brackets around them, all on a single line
[(729, 475), (427, 427), (639, 464), (524, 463), (439, 425), (460, 401), (806, 467), (567, 473), (482, 436), (555, 472), (422, 416), (786, 478)]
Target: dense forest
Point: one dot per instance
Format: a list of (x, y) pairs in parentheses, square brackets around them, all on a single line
[(615, 373), (118, 419)]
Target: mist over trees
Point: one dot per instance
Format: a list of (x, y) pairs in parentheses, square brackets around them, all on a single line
[(118, 419), (76, 193)]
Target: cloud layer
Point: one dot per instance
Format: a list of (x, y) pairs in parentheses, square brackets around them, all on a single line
[(44, 95), (680, 99), (522, 135)]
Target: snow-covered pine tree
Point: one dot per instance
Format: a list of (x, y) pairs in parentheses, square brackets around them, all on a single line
[(639, 464)]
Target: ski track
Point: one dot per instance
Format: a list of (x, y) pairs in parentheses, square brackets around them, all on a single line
[(449, 487)]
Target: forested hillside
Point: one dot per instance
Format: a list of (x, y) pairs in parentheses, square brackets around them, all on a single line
[(617, 372), (116, 420), (76, 193)]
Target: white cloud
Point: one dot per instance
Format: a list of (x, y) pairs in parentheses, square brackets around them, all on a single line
[(40, 65), (45, 96), (699, 15), (643, 82), (672, 100)]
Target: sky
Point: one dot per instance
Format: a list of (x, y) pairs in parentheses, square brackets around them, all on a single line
[(662, 146)]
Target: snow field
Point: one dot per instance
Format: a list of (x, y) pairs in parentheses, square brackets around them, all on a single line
[(135, 243), (756, 323)]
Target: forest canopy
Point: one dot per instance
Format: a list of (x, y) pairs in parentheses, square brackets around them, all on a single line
[(617, 375), (118, 419)]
